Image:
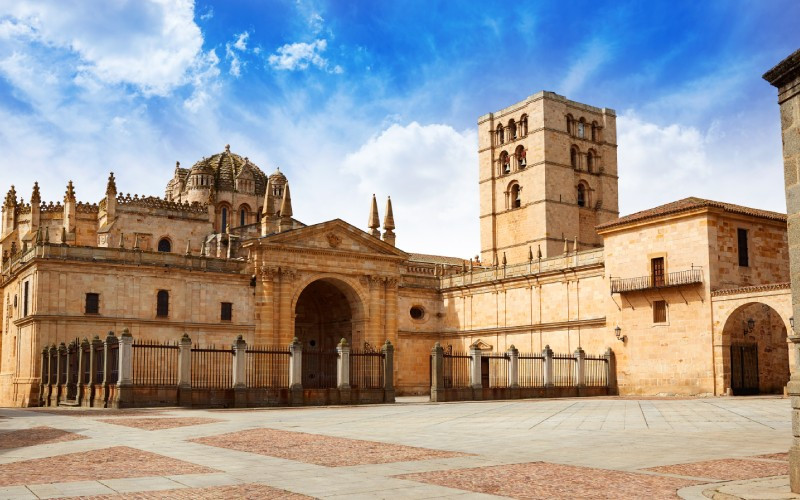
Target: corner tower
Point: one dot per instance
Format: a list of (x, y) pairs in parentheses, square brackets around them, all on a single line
[(547, 172)]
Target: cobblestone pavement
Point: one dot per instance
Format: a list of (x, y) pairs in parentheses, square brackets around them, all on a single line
[(548, 448)]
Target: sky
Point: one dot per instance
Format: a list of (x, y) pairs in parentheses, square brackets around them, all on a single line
[(351, 98)]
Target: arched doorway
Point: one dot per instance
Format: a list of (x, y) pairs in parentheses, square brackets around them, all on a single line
[(327, 311), (755, 352)]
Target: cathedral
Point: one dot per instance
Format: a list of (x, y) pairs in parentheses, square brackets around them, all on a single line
[(692, 296)]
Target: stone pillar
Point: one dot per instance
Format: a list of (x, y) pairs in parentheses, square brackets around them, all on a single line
[(343, 371), (61, 391), (388, 371), (185, 371), (296, 373), (94, 347), (239, 364), (611, 371), (580, 368), (83, 362), (786, 77), (44, 374), (71, 351), (110, 341), (286, 314), (548, 367), (125, 381), (374, 331), (266, 327), (391, 315), (475, 373), (513, 367), (437, 374)]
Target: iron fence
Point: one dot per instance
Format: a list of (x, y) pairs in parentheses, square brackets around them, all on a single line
[(212, 368), (596, 371), (113, 363), (155, 363), (53, 354), (319, 369), (98, 351), (677, 278), (267, 367), (366, 369), (564, 370), (497, 367), (86, 353), (455, 368), (531, 370)]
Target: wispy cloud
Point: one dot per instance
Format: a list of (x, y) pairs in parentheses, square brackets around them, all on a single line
[(301, 55), (232, 50), (592, 57)]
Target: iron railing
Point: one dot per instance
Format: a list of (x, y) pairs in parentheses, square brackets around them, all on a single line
[(564, 370), (595, 371), (319, 369), (267, 367), (677, 278), (155, 363), (498, 369), (212, 368), (531, 370), (455, 368), (366, 369)]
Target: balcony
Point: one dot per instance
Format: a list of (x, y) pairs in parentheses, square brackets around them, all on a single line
[(678, 278)]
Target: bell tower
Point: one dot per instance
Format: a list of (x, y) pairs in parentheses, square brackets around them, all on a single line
[(547, 172)]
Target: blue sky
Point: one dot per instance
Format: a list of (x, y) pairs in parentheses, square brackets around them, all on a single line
[(354, 98)]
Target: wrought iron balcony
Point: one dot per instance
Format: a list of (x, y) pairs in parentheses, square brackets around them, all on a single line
[(678, 278)]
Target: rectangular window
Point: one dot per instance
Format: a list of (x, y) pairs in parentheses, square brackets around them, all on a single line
[(657, 271), (744, 261), (25, 292), (162, 304), (226, 313), (660, 311), (92, 303)]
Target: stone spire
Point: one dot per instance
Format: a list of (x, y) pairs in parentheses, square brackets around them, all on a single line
[(269, 200), (111, 186), (69, 196), (286, 210), (11, 197), (388, 223), (374, 221), (530, 254), (36, 198), (575, 245), (566, 246), (505, 261)]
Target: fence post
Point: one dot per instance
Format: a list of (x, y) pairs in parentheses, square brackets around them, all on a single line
[(611, 372), (185, 371), (548, 367), (343, 371), (43, 370), (68, 375), (295, 372), (110, 340), (93, 348), (580, 372), (475, 373), (239, 365), (513, 367), (82, 362), (437, 373), (388, 372), (52, 376), (60, 361), (125, 372)]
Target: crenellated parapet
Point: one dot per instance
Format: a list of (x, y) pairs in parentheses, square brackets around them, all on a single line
[(52, 207)]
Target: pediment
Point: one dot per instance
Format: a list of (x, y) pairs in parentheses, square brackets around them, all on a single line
[(335, 235), (480, 344)]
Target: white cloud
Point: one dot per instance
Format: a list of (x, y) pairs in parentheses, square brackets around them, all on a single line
[(429, 171), (232, 50), (241, 41), (594, 55), (151, 45), (208, 14), (298, 56)]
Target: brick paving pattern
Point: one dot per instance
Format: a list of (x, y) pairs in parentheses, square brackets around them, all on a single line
[(728, 469), (97, 412), (211, 493), (540, 480), (775, 456), (154, 424), (321, 450), (109, 463), (34, 436)]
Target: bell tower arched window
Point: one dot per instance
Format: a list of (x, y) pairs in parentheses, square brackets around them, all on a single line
[(581, 195), (581, 128), (505, 163), (512, 130), (519, 154), (164, 245), (523, 126), (223, 226), (514, 196), (242, 217), (500, 135), (590, 161), (573, 157)]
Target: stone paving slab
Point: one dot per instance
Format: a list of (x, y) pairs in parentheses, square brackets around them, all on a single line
[(160, 423), (22, 438), (253, 490)]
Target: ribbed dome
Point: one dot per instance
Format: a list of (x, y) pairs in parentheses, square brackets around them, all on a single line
[(278, 177), (226, 166)]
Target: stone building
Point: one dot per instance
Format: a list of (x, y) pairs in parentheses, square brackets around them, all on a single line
[(692, 296)]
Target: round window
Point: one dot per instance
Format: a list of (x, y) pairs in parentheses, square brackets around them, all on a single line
[(417, 312)]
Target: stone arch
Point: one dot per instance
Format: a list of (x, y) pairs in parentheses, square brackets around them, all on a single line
[(759, 327)]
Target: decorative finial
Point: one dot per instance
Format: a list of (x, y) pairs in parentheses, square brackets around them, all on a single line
[(11, 197), (228, 148), (374, 221), (122, 240), (388, 218), (111, 186), (530, 254), (70, 193), (36, 198), (505, 261), (539, 253), (286, 204)]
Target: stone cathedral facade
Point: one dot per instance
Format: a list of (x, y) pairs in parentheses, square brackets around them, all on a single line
[(689, 295)]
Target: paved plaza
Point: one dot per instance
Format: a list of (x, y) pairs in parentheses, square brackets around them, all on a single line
[(548, 448)]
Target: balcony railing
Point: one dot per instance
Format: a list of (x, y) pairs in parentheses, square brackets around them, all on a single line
[(678, 278)]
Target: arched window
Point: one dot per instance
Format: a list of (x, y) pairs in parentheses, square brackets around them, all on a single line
[(590, 161), (594, 131), (505, 163), (224, 222), (573, 157), (523, 126), (581, 195), (242, 217), (519, 154), (512, 130), (569, 125), (164, 245), (162, 304), (500, 135), (514, 196), (582, 128)]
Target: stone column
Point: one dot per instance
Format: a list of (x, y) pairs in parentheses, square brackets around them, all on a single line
[(239, 364), (580, 368), (83, 362), (44, 374), (296, 372), (786, 77), (513, 367), (285, 313), (437, 374), (611, 371), (374, 331), (70, 350), (185, 371), (475, 373), (60, 375), (266, 327), (388, 370), (343, 371), (548, 367), (125, 382), (94, 347)]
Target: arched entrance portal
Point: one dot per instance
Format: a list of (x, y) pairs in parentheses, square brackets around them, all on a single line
[(755, 352), (327, 311)]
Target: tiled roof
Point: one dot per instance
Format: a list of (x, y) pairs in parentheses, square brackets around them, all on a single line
[(687, 205), (226, 166), (435, 259)]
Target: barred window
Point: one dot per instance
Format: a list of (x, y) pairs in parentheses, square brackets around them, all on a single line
[(226, 311), (660, 311), (92, 303)]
